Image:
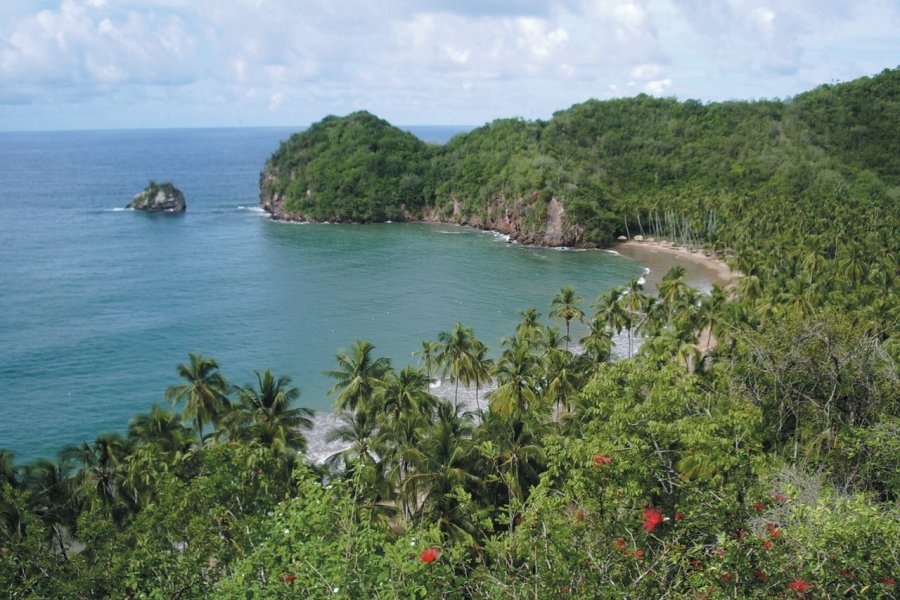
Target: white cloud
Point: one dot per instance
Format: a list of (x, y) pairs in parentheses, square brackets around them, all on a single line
[(421, 60), (657, 87)]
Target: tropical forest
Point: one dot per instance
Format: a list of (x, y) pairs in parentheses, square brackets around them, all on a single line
[(740, 443)]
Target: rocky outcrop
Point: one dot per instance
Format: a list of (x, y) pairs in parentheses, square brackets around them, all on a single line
[(530, 220), (159, 197)]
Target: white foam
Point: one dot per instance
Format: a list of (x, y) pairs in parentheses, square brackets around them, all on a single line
[(646, 270), (641, 281), (613, 252), (118, 210)]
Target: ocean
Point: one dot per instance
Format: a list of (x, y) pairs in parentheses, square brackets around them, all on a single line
[(98, 304)]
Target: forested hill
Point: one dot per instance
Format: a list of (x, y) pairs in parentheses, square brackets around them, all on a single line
[(603, 162), (748, 447)]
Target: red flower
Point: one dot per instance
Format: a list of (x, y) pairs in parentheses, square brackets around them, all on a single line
[(695, 563), (779, 498), (798, 585), (767, 545), (652, 518), (288, 578), (761, 575), (678, 516), (639, 554), (890, 581), (599, 459), (726, 577), (429, 555), (773, 532), (720, 553), (620, 543), (758, 506)]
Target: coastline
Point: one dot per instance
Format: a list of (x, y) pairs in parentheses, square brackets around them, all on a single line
[(659, 256)]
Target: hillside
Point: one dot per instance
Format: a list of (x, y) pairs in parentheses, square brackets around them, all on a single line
[(748, 448), (601, 162)]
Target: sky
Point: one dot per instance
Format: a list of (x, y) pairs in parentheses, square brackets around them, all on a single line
[(108, 64)]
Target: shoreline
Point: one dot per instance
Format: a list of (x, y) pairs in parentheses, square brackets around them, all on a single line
[(703, 271)]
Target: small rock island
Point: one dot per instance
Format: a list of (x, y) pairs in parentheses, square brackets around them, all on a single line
[(159, 197)]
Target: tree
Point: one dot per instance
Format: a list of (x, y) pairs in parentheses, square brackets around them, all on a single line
[(204, 391), (264, 413), (359, 377), (565, 307), (160, 428), (516, 385), (462, 356), (407, 393)]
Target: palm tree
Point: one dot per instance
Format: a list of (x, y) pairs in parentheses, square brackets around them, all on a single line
[(357, 430), (52, 499), (529, 330), (100, 462), (566, 308), (459, 351), (359, 377), (632, 302), (442, 463), (8, 471), (515, 372), (264, 414), (672, 289), (563, 379), (428, 356), (407, 393), (513, 448), (204, 391), (610, 312), (597, 343), (160, 428)]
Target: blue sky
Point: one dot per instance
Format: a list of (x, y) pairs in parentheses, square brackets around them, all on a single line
[(96, 64)]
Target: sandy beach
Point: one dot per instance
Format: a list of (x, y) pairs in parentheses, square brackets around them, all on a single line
[(659, 256)]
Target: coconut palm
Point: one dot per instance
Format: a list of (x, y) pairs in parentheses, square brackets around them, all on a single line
[(8, 471), (204, 391), (52, 499), (357, 430), (264, 413), (530, 329), (160, 428), (407, 393), (428, 357), (459, 356), (516, 383), (512, 447), (563, 378), (632, 302), (597, 343), (443, 462), (100, 474), (360, 377), (565, 307)]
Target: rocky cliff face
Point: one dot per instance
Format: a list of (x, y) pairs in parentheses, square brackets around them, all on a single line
[(163, 197), (522, 219)]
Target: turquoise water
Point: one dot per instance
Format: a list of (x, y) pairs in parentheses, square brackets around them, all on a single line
[(98, 305)]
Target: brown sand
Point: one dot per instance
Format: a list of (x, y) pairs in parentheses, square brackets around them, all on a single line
[(659, 256)]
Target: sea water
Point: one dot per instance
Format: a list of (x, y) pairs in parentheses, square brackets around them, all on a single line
[(98, 305)]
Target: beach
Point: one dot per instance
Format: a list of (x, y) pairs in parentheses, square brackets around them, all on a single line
[(702, 271)]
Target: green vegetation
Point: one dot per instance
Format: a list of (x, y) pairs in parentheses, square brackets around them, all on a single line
[(745, 448), (357, 169)]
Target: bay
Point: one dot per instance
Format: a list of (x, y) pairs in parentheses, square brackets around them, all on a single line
[(98, 305)]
